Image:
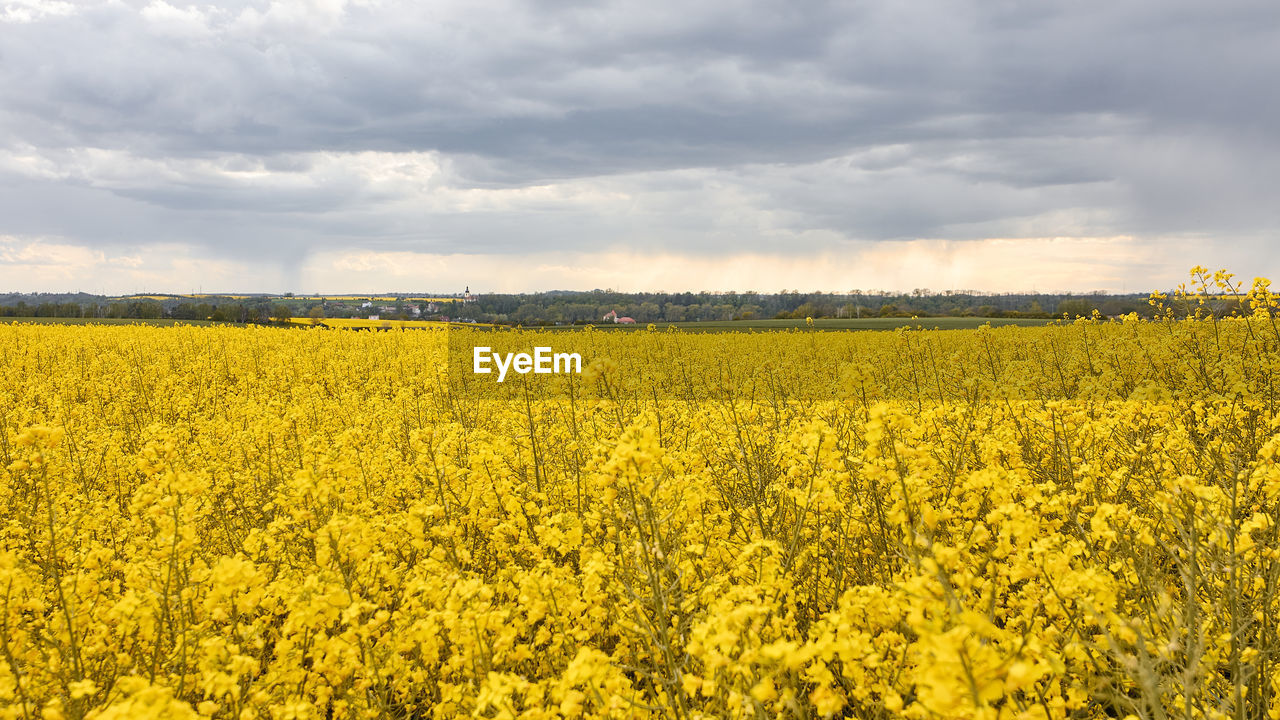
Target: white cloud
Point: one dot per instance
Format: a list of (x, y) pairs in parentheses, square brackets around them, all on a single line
[(47, 256), (293, 16), (54, 265), (188, 23), (26, 11)]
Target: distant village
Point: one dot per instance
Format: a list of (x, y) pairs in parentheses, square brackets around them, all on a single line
[(401, 310), (613, 317)]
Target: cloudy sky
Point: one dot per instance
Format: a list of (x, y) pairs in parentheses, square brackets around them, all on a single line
[(512, 145)]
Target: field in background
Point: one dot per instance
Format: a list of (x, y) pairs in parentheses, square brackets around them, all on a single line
[(364, 324), (941, 323), (157, 322), (270, 297), (386, 298)]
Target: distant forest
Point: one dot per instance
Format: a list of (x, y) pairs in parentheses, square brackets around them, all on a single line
[(576, 308), (589, 307)]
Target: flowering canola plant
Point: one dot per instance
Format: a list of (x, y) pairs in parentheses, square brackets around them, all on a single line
[(1074, 521)]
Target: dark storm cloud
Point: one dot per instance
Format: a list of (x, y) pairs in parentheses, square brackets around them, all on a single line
[(714, 84), (871, 120)]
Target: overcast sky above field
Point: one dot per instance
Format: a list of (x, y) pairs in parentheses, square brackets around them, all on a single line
[(330, 146)]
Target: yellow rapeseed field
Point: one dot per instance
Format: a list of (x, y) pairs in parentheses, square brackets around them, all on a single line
[(1060, 522)]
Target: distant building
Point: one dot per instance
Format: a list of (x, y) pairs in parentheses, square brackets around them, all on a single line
[(625, 321), (375, 317), (612, 316)]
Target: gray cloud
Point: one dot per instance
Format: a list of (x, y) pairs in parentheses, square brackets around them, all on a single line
[(700, 127)]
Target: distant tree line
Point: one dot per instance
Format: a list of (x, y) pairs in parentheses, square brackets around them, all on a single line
[(580, 308), (233, 311), (589, 307), (131, 309)]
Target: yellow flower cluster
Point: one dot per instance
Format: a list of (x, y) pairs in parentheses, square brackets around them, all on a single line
[(1074, 521)]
